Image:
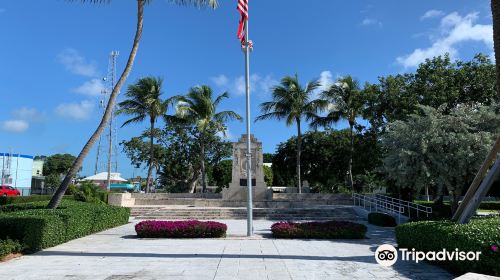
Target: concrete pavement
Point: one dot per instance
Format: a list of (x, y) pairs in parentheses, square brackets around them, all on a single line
[(118, 254)]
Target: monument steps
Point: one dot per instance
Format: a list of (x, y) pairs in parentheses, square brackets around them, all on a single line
[(166, 213)]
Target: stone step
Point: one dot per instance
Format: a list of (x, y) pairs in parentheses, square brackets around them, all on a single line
[(336, 213)]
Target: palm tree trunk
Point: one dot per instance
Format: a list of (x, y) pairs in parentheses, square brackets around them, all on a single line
[(151, 156), (57, 197), (351, 153), (203, 171), (299, 152)]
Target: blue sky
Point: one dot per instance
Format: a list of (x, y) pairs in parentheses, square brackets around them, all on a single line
[(54, 54)]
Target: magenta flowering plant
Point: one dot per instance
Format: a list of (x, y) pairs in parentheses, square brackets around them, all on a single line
[(180, 229), (319, 230), (494, 248)]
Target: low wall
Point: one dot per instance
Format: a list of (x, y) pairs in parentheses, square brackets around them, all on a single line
[(311, 196), (162, 196)]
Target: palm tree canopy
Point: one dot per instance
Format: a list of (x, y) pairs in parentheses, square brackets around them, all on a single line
[(343, 101), (198, 107), (291, 101), (143, 100), (197, 3)]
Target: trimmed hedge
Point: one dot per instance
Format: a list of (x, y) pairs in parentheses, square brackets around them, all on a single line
[(4, 200), (319, 230), (478, 235), (8, 247), (381, 219), (180, 229), (37, 229)]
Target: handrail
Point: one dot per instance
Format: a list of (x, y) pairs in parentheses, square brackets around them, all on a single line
[(408, 204), (391, 205)]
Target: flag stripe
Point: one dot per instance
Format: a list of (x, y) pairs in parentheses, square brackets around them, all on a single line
[(242, 7)]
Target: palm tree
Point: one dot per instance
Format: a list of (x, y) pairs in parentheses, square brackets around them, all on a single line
[(292, 103), (198, 108), (344, 101), (144, 101), (57, 197)]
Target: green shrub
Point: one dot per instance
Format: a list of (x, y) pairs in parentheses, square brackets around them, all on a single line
[(8, 247), (478, 235), (490, 205), (72, 189), (381, 219), (88, 192), (43, 228), (22, 206), (26, 199), (319, 230)]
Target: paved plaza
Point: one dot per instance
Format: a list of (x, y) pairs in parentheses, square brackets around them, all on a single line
[(118, 254)]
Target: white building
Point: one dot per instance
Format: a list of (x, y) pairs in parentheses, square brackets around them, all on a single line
[(15, 171)]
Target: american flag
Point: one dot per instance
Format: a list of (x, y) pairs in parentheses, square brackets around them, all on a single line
[(243, 9)]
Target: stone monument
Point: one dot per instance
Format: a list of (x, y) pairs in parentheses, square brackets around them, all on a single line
[(238, 187)]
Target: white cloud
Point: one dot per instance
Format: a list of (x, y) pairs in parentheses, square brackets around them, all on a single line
[(454, 30), (76, 63), (326, 80), (15, 126), (220, 81), (76, 111), (29, 114), (259, 85), (93, 87), (370, 21), (432, 14)]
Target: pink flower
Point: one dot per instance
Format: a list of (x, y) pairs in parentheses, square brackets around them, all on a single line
[(494, 248)]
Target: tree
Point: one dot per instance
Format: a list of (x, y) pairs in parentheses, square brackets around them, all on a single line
[(181, 165), (325, 158), (57, 197), (438, 149), (222, 173), (437, 82), (144, 101), (345, 101), (267, 157), (292, 102), (199, 108), (57, 164), (139, 151), (52, 181)]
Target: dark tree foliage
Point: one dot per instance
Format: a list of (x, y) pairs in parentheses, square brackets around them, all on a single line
[(438, 82), (221, 173), (181, 165), (268, 157), (58, 164), (325, 158)]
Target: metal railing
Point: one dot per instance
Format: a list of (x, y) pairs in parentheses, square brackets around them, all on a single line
[(382, 203)]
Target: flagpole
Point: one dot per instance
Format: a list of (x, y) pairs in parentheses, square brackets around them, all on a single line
[(249, 148)]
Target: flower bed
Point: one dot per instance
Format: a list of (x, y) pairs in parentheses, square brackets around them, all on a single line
[(319, 230), (180, 229)]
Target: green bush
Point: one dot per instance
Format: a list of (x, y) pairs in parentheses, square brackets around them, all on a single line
[(22, 206), (8, 247), (26, 199), (319, 230), (43, 228), (381, 219), (490, 205), (88, 192), (478, 235), (443, 211)]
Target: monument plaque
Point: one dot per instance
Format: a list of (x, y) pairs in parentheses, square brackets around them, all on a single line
[(238, 187)]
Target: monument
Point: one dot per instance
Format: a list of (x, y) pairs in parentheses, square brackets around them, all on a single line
[(238, 187)]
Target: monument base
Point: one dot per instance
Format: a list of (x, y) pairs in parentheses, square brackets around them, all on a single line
[(239, 193)]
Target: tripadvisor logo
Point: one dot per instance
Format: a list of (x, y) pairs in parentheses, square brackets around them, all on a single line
[(387, 255)]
